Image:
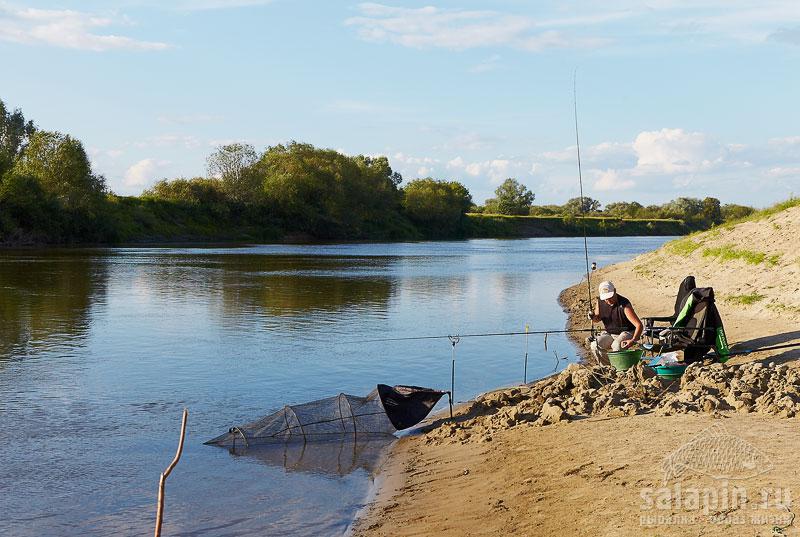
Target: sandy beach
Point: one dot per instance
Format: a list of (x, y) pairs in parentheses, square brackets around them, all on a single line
[(630, 454)]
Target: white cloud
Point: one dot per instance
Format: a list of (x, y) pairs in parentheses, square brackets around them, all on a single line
[(496, 170), (674, 151), (562, 155), (66, 28), (408, 159), (785, 141), (458, 29), (457, 162), (474, 168), (144, 172), (708, 22), (96, 152), (779, 171), (611, 180), (604, 154)]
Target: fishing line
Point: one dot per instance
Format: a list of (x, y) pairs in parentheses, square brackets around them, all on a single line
[(580, 184)]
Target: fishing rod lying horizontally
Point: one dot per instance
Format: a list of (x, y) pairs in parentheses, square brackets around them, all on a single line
[(487, 334), (455, 339), (525, 333)]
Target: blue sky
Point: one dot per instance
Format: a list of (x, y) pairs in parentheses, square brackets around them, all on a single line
[(676, 98)]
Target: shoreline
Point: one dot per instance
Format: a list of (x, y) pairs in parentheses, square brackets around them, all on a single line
[(290, 239), (461, 484)]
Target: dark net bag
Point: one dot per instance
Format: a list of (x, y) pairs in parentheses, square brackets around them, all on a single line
[(384, 411)]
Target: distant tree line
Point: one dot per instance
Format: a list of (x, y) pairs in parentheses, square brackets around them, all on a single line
[(50, 194), (513, 198)]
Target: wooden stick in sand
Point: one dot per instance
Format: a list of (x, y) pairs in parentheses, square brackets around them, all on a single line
[(163, 480)]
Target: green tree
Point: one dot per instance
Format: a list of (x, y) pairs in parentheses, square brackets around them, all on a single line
[(196, 191), (687, 209), (326, 193), (545, 210), (574, 206), (14, 135), (624, 209), (26, 208), (436, 206), (379, 166), (512, 197), (61, 166), (712, 211), (490, 206), (233, 164), (732, 211), (653, 211)]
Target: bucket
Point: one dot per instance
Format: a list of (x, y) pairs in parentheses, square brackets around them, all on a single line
[(622, 360), (671, 372)]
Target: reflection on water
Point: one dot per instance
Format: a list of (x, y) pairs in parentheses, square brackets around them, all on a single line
[(338, 457), (100, 349), (45, 300)]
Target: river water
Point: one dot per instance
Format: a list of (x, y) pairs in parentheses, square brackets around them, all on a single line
[(101, 349)]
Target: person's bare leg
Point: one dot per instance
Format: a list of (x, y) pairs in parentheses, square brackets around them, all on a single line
[(600, 347), (616, 343)]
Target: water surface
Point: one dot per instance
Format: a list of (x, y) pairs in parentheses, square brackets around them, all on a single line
[(101, 349)]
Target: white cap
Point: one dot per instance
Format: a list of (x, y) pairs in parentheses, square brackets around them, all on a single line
[(607, 290)]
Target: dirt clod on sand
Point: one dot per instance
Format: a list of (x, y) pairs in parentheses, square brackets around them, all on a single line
[(581, 391)]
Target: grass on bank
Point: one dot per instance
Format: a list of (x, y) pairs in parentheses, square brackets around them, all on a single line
[(683, 247), (728, 252), (745, 300), (765, 213), (783, 308), (687, 245)]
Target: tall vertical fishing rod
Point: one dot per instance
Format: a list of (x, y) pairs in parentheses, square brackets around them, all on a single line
[(580, 184)]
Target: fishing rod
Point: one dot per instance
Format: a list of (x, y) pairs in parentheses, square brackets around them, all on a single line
[(580, 184), (525, 333), (487, 334)]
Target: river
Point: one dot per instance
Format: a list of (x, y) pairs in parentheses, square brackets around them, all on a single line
[(101, 349)]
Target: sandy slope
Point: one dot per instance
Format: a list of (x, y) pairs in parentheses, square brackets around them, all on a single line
[(589, 476), (579, 478), (651, 281)]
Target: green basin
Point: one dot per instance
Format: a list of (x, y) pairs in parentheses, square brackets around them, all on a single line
[(670, 372), (622, 360)]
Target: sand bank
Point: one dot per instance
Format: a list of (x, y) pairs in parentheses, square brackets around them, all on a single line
[(632, 474)]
